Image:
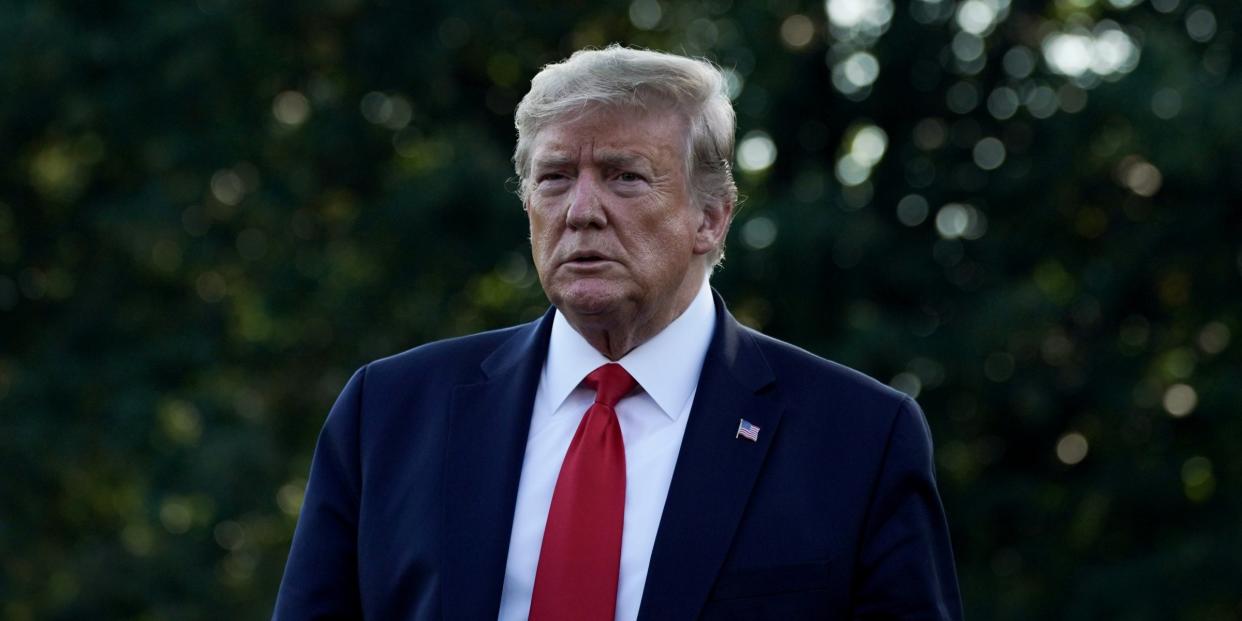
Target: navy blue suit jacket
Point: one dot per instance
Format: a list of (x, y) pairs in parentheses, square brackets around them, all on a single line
[(832, 514)]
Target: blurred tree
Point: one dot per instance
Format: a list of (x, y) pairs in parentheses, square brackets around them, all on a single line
[(1024, 214)]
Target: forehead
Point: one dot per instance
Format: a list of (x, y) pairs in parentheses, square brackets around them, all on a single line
[(654, 134)]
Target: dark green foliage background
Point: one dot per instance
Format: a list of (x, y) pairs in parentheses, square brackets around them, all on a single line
[(186, 281)]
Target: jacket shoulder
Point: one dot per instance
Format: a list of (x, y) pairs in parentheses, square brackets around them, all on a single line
[(811, 376), (459, 357)]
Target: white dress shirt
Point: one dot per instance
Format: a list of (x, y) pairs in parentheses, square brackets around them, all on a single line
[(653, 421)]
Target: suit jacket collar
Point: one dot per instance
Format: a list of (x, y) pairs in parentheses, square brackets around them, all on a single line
[(482, 464), (714, 474)]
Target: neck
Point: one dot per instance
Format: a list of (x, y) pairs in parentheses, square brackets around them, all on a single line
[(615, 344)]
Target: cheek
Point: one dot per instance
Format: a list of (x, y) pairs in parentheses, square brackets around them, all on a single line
[(538, 218), (543, 235), (661, 240), (672, 227)]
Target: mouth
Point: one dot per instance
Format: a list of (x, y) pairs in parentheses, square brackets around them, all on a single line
[(586, 256), (586, 259)]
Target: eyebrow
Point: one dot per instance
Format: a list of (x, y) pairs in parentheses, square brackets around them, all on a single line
[(619, 159), (613, 159)]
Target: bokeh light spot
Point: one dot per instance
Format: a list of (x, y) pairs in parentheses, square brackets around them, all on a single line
[(859, 15), (868, 144), (912, 210), (797, 31), (756, 152), (908, 383), (702, 33), (864, 147), (967, 47), (1018, 62), (138, 539), (1201, 23), (180, 421), (176, 515), (1055, 282), (959, 220), (1071, 98), (374, 107), (1106, 52), (989, 153), (394, 111), (1072, 448), (930, 134), (962, 97), (1198, 480), (1041, 101), (1166, 103), (759, 232), (227, 187), (211, 287), (646, 14), (1139, 175), (855, 73), (1113, 51), (289, 497), (515, 270), (951, 221), (850, 171), (60, 170), (291, 108), (1003, 103), (230, 535), (1178, 363), (1214, 337), (976, 17), (1180, 400), (1067, 53)]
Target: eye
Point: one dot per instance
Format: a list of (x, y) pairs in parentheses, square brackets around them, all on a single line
[(630, 177), (551, 181)]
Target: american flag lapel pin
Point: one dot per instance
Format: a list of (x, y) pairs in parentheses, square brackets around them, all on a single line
[(745, 429)]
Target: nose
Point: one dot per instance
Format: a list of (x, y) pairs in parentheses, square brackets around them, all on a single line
[(586, 207)]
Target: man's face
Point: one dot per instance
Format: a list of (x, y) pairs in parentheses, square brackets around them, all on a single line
[(615, 236)]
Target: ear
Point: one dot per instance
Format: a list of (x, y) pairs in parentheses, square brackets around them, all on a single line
[(716, 215)]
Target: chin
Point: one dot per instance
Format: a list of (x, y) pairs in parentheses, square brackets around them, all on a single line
[(588, 300)]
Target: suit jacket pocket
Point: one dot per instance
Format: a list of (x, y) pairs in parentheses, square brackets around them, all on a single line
[(771, 581)]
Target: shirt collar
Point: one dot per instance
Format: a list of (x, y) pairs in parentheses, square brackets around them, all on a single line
[(667, 366)]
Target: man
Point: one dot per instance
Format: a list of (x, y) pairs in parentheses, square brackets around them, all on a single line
[(635, 453)]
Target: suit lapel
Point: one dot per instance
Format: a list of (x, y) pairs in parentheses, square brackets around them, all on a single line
[(483, 462), (714, 475)]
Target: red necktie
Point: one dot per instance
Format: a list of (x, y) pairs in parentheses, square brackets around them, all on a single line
[(581, 554)]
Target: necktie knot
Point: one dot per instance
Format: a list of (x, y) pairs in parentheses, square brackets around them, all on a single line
[(611, 382)]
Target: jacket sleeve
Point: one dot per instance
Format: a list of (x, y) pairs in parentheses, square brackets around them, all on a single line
[(906, 568), (321, 575)]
